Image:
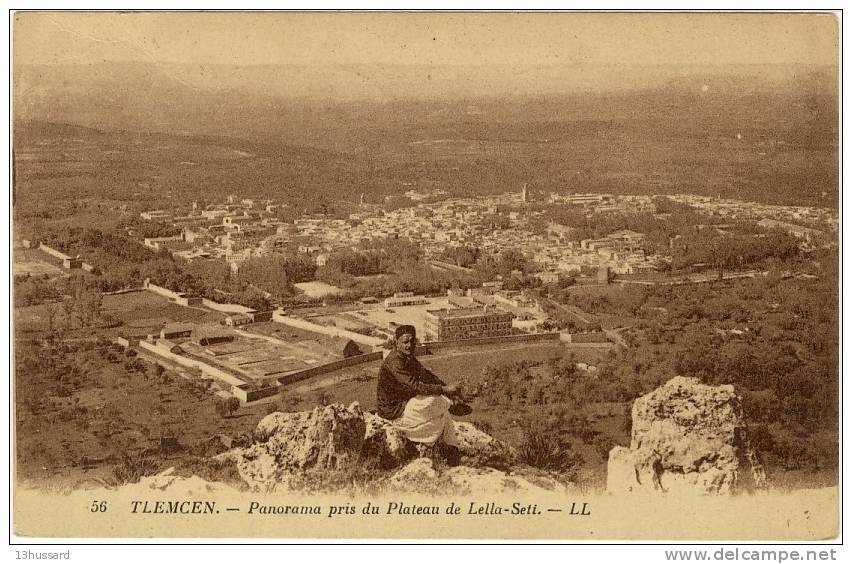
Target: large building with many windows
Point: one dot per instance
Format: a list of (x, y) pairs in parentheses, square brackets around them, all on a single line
[(467, 323), (401, 299)]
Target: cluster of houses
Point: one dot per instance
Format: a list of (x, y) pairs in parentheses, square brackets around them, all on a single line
[(233, 231), (236, 231)]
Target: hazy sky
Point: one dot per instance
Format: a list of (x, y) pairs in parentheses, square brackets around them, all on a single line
[(432, 39)]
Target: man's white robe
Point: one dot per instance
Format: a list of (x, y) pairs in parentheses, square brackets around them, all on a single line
[(426, 419)]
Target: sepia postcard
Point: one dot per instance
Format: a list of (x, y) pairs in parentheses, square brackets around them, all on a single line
[(519, 276)]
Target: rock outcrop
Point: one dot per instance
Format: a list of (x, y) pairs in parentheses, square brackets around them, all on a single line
[(421, 476), (335, 446), (687, 438), (182, 487)]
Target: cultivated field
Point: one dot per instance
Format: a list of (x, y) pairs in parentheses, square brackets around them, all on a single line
[(35, 263), (261, 358), (348, 321), (145, 312), (323, 345)]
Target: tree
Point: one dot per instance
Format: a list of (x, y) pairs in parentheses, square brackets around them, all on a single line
[(84, 301), (51, 314), (461, 256), (253, 299), (227, 407)]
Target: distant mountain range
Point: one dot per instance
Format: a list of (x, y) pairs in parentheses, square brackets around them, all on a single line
[(302, 104), (764, 132)]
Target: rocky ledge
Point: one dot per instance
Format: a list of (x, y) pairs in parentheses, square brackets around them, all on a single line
[(335, 447)]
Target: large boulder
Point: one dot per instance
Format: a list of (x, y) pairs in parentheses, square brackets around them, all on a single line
[(287, 444), (328, 437), (687, 438)]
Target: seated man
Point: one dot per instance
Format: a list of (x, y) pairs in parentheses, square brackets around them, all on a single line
[(414, 398)]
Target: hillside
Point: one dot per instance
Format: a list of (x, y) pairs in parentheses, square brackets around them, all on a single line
[(767, 133), (71, 162)]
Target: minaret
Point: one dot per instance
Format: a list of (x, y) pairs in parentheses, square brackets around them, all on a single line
[(524, 194), (362, 199)]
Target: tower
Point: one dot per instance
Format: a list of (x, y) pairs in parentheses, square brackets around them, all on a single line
[(524, 194)]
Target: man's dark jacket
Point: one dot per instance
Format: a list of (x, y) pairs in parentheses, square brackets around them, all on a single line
[(400, 379)]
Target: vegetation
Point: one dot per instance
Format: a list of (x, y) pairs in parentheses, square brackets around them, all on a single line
[(276, 274), (774, 338), (227, 407), (388, 266), (82, 413), (726, 250), (542, 448), (34, 290), (83, 302), (122, 260)]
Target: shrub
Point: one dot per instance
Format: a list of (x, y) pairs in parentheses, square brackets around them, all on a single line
[(227, 407), (134, 365), (134, 468), (541, 448)]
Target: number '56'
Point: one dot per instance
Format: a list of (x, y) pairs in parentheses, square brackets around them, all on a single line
[(98, 507)]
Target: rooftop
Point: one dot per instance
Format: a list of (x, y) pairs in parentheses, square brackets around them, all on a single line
[(177, 327), (464, 312)]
